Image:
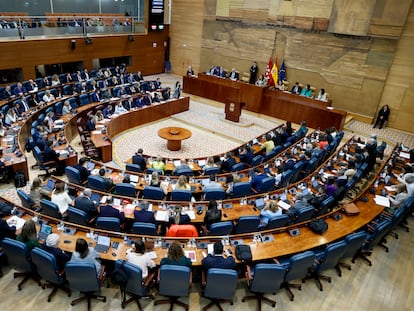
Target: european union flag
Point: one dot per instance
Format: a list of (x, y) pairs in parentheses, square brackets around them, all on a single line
[(282, 72)]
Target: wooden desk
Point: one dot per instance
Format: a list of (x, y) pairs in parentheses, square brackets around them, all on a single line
[(275, 103), (174, 136), (104, 144)]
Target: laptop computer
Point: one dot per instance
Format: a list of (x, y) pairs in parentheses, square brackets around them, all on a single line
[(103, 243), (260, 203), (95, 197), (50, 185), (45, 230)]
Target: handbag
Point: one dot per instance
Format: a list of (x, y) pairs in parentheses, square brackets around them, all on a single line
[(244, 253), (318, 226), (351, 209)]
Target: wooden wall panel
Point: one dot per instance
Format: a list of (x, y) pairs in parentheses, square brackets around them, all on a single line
[(29, 53), (186, 32)]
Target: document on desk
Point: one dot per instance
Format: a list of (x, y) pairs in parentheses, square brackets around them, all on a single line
[(96, 132), (153, 255), (283, 205), (161, 215), (191, 254), (16, 221), (383, 201), (129, 209), (190, 214)]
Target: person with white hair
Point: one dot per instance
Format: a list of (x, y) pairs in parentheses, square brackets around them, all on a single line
[(84, 203), (408, 181), (52, 246)]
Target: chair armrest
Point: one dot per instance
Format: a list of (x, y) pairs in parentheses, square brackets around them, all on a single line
[(102, 274), (203, 278), (276, 261), (386, 214), (248, 275), (253, 190)]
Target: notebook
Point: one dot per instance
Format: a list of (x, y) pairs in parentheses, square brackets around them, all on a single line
[(260, 203), (45, 230), (50, 185), (103, 243)]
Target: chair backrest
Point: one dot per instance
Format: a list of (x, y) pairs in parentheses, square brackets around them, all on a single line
[(125, 189), (73, 175), (238, 167), (135, 283), (154, 193), (214, 194), (379, 233), (37, 153), (297, 170), (285, 179), (270, 155), (84, 99), (221, 228), (277, 222), (212, 170), (257, 160), (185, 231), (96, 183), (266, 184), (326, 205), (17, 254), (82, 276), (299, 265), (333, 253), (174, 280), (46, 266), (108, 223), (77, 216), (221, 283), (144, 228), (150, 170), (267, 278), (25, 199), (304, 214), (133, 167), (354, 242), (247, 224), (49, 208), (181, 195), (241, 189)]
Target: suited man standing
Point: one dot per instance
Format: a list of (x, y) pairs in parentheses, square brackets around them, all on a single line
[(139, 159), (253, 73), (85, 204), (217, 260)]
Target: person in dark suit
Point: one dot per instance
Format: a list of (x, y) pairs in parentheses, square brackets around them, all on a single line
[(19, 89), (129, 104), (228, 162), (257, 178), (90, 124), (108, 111), (85, 204), (49, 155), (234, 75), (289, 161), (296, 89), (6, 231), (51, 246), (81, 167), (217, 260), (7, 93), (253, 73), (109, 211), (41, 142), (213, 215), (182, 169), (246, 155), (96, 96), (137, 158), (383, 116), (106, 180), (143, 215)]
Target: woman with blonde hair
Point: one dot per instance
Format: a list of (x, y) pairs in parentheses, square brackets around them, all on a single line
[(61, 198), (270, 210), (182, 183), (37, 191)]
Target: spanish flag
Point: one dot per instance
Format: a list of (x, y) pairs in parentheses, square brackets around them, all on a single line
[(274, 74)]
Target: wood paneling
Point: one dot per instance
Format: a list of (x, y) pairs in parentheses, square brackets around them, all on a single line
[(29, 53)]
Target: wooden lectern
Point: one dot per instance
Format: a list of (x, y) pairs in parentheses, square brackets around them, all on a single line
[(233, 110)]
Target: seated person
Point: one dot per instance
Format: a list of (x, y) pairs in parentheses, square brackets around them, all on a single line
[(234, 75), (52, 246), (209, 163), (296, 89), (143, 214), (270, 210), (180, 217), (84, 203), (50, 155), (84, 253), (322, 95), (213, 215), (137, 158), (306, 91), (81, 167), (61, 198), (6, 231), (262, 81), (246, 155), (182, 168), (399, 198), (67, 108), (182, 183), (107, 210), (138, 257), (108, 111), (90, 125), (268, 145), (228, 162), (28, 235), (107, 180), (119, 108), (213, 184), (257, 178), (37, 192), (217, 260), (159, 164), (300, 202), (175, 256)]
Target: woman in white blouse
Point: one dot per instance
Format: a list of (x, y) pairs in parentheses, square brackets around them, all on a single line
[(61, 198)]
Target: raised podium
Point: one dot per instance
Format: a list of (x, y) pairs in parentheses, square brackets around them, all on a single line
[(233, 110)]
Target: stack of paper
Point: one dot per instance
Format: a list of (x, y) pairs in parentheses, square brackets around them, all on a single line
[(383, 201), (283, 205)]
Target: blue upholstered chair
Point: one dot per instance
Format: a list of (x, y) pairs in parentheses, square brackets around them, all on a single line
[(297, 267), (108, 223), (144, 228), (97, 183), (285, 179), (125, 189), (133, 167), (264, 279), (77, 216), (241, 189), (134, 286), (82, 277), (46, 267), (304, 214), (354, 243), (181, 195), (238, 167), (18, 257), (25, 199), (247, 224), (175, 282), (277, 222), (266, 184), (73, 175), (221, 228), (327, 259), (153, 193), (220, 286), (214, 194), (50, 209), (212, 170)]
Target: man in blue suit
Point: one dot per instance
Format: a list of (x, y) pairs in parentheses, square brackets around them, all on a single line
[(217, 260)]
